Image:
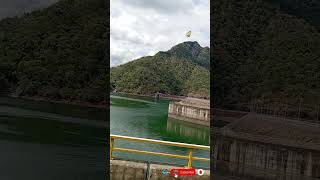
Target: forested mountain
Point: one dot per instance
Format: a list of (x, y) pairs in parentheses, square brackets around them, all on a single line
[(57, 52), (183, 70), (263, 50), (306, 9)]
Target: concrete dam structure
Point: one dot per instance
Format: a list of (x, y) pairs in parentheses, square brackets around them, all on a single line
[(258, 146), (191, 110)]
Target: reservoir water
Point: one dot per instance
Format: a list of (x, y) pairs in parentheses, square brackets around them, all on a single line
[(148, 118), (42, 140)]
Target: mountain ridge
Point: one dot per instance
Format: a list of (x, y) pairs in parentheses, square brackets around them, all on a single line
[(182, 70)]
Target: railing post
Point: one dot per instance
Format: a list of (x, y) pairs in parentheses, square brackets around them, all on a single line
[(111, 147), (190, 158)]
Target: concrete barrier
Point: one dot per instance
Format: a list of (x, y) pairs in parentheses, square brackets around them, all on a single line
[(131, 170)]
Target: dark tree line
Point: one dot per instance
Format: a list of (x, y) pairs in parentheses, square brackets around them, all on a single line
[(57, 52), (263, 50)]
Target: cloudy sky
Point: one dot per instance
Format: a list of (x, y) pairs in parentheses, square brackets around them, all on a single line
[(9, 8), (144, 27)]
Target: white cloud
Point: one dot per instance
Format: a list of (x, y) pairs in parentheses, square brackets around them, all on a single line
[(144, 27)]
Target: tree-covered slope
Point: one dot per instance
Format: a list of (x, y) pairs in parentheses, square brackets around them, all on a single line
[(262, 52), (286, 63), (305, 9), (57, 52), (183, 70)]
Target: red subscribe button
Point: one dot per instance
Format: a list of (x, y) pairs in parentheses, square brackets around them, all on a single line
[(183, 172)]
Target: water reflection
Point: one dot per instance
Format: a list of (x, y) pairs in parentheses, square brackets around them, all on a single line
[(43, 140), (129, 102), (188, 131)]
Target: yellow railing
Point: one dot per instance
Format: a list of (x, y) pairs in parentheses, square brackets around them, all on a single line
[(190, 147)]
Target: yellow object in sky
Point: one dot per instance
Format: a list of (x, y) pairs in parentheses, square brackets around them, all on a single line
[(188, 34)]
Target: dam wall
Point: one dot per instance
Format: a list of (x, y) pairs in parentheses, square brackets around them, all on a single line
[(266, 148), (191, 110), (265, 161)]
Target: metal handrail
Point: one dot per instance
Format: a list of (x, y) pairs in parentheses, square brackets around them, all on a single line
[(190, 147)]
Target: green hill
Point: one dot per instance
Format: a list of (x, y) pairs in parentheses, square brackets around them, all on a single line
[(183, 70), (57, 52), (264, 51)]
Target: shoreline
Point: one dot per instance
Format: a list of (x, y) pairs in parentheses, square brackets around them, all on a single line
[(101, 105), (166, 96)]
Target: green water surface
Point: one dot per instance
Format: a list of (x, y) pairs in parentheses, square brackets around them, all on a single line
[(148, 118), (42, 140)]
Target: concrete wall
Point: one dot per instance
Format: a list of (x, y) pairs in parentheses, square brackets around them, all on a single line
[(189, 113), (264, 161), (130, 170), (190, 131)]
